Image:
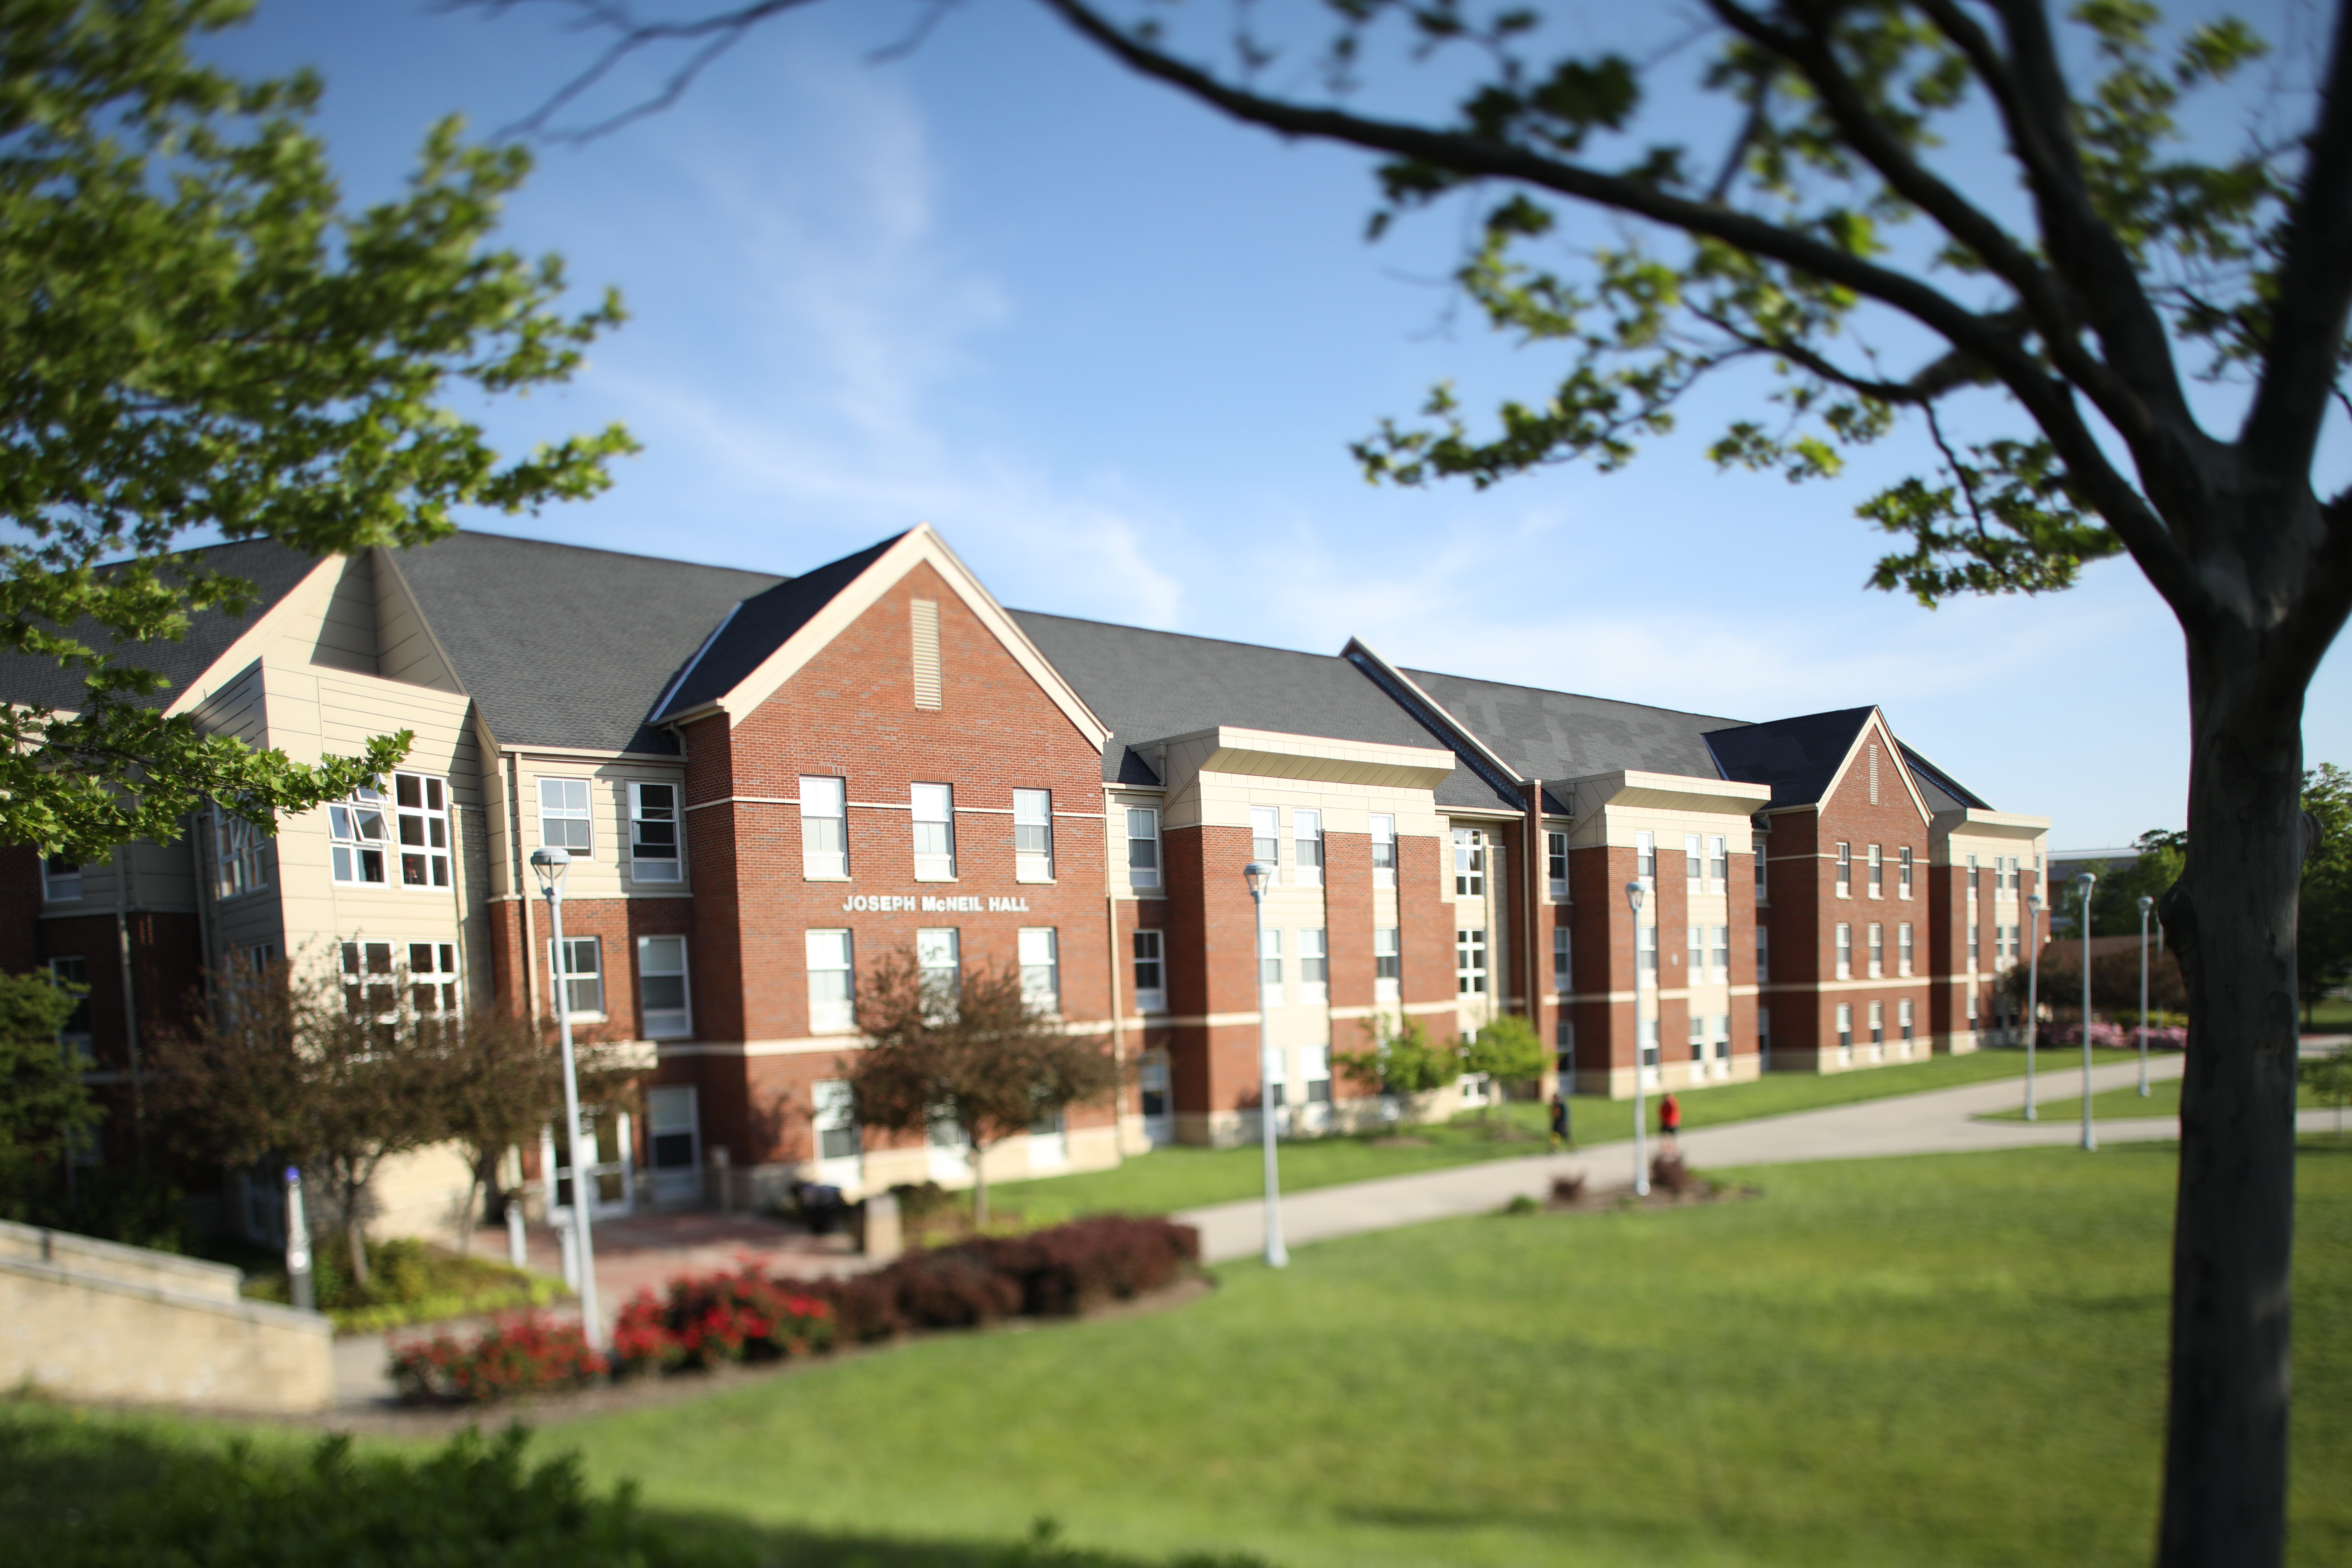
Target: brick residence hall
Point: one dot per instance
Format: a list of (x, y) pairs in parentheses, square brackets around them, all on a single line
[(767, 782)]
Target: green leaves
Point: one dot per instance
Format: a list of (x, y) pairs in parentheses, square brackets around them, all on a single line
[(201, 336)]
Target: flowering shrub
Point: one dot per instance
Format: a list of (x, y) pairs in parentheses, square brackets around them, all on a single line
[(2118, 1037), (526, 1353), (1073, 1266), (738, 1316)]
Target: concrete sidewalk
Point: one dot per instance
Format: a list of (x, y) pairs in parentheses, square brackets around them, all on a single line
[(1938, 1122)]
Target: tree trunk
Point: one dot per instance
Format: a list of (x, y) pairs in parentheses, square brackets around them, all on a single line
[(978, 1180), (355, 1242), (2230, 920)]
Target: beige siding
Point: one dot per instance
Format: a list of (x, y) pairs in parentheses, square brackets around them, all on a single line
[(603, 871), (406, 650), (345, 635)]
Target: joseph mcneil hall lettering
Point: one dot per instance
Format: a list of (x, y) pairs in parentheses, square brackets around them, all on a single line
[(931, 904)]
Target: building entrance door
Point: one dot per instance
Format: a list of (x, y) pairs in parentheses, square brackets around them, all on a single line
[(1159, 1105), (612, 1170)]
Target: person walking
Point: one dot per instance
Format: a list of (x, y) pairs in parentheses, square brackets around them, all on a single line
[(1560, 1137), (1670, 1125)]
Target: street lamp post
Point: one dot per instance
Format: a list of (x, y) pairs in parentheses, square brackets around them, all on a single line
[(2032, 991), (1257, 874), (2145, 904), (1641, 1111), (2087, 881), (549, 866)]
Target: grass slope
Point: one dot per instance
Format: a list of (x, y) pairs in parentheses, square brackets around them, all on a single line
[(2163, 1099)]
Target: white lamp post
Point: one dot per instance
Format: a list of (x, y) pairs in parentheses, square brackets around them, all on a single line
[(1257, 874), (1640, 1112), (2032, 991), (2145, 904), (2087, 881), (549, 866)]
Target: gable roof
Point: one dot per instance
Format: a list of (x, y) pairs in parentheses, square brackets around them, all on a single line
[(273, 570), (759, 626), (561, 645), (1934, 781), (1149, 685), (1797, 757)]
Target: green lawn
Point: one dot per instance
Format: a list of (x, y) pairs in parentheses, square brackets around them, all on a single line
[(2163, 1099), (1183, 1177), (2333, 1016), (1943, 1360)]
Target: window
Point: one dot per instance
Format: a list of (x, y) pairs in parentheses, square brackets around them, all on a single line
[(939, 955), (1877, 1023), (1763, 954), (653, 833), (1387, 963), (833, 1008), (1151, 1082), (1721, 968), (1314, 966), (1697, 942), (832, 1112), (1383, 850), (1307, 833), (1696, 1034), (74, 1033), (1142, 847), (1562, 979), (564, 820), (1845, 951), (1718, 863), (1877, 949), (1763, 887), (1150, 973), (356, 829), (1265, 834), (1877, 873), (1315, 1071), (1645, 855), (583, 976), (370, 988), (661, 988), (433, 977), (1972, 881), (1903, 953), (1694, 861), (1564, 1041), (1269, 967), (60, 879), (1903, 1018), (1903, 873), (1470, 963), (1041, 968), (1972, 1007), (422, 804), (1556, 863), (924, 617), (1845, 1026), (1845, 871), (934, 833), (1723, 1037), (824, 828), (238, 846), (1645, 954), (1648, 1040), (1033, 836), (1469, 863), (1763, 1031)]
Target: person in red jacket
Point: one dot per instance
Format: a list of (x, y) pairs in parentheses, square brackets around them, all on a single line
[(1670, 1124)]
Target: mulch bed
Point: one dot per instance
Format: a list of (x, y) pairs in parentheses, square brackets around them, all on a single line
[(1584, 1198)]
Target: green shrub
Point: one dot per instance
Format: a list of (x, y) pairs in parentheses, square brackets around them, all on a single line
[(411, 1283)]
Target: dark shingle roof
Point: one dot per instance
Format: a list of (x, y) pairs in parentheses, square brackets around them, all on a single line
[(1933, 780), (1148, 686), (1797, 757), (270, 566), (560, 645), (762, 623), (1558, 735)]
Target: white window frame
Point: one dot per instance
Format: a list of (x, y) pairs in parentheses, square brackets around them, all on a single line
[(1388, 948), (1719, 862), (1150, 946), (939, 957), (1470, 961), (1556, 864), (1695, 1035), (1903, 872), (1878, 1023), (1904, 948), (1694, 862), (1039, 950), (1845, 1026), (831, 952), (824, 828), (1384, 850), (1976, 937), (1845, 870), (592, 947), (658, 867), (1143, 871), (1314, 966), (1306, 846), (60, 879), (933, 810), (1719, 957), (560, 821), (1645, 951), (1265, 834), (1763, 952), (359, 827), (1033, 836), (1695, 947), (1645, 857), (239, 868), (1763, 875), (1723, 1039), (1877, 873), (1845, 934), (1877, 938), (1269, 967), (1904, 1020), (1315, 1071), (1563, 961), (424, 858), (664, 1023), (1469, 863), (435, 986), (832, 1120), (369, 973)]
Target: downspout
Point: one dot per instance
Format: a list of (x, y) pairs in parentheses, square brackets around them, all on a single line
[(204, 829), (1536, 892), (522, 898), (123, 895), (1118, 1036)]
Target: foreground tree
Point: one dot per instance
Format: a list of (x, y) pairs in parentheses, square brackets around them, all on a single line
[(198, 336), (1507, 1049), (44, 1104), (980, 1055), (503, 1081)]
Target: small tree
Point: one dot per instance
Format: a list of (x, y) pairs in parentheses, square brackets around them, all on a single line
[(43, 1101), (980, 1055), (2330, 1077), (505, 1081), (1403, 1062), (1507, 1050)]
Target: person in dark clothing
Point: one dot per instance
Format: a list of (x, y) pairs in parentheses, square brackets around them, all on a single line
[(1670, 1124), (1560, 1137)]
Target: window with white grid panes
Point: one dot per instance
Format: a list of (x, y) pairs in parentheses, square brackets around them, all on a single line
[(1646, 953), (1877, 1023), (653, 834), (1469, 863), (1562, 979), (1269, 966), (833, 1008), (238, 846), (824, 827), (1306, 844), (1973, 874), (1387, 963), (1720, 968), (662, 1008), (358, 832), (1142, 847), (1974, 946), (1845, 951), (1845, 1026), (1903, 1018), (1384, 850), (1646, 856), (1314, 966), (583, 976), (1845, 871), (1972, 1006), (60, 879), (1694, 862), (934, 811), (1718, 863), (1470, 963), (1695, 943), (1033, 836), (1877, 873), (1763, 954), (1315, 1072), (1556, 864), (1722, 1036), (939, 959), (370, 979), (1041, 967), (421, 803), (433, 978), (564, 819), (1150, 973), (1877, 949), (1903, 873), (1648, 1038), (832, 1110), (1265, 834), (1903, 948), (1696, 1035)]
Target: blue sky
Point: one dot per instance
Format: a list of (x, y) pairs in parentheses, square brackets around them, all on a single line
[(1113, 348)]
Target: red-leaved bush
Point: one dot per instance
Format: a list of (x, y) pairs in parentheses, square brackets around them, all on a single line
[(527, 1353), (1081, 1265), (738, 1316)]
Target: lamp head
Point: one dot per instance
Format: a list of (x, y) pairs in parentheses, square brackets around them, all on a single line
[(549, 865), (2146, 903), (1259, 876), (2083, 880), (1633, 897), (2034, 902)]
